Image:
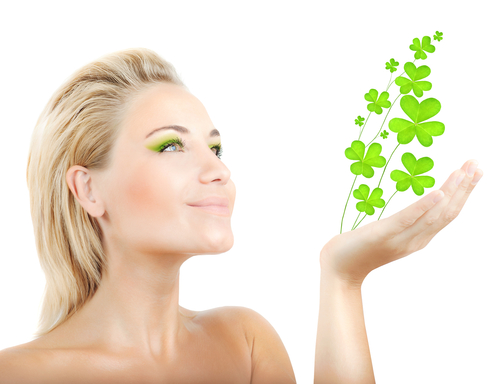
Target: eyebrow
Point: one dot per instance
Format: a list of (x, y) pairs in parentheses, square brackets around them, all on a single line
[(181, 129)]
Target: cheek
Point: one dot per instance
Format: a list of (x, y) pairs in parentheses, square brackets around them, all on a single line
[(139, 192), (231, 187), (149, 199)]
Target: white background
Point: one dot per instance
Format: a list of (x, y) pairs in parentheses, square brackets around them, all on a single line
[(283, 82)]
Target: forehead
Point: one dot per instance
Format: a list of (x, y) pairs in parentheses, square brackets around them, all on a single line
[(165, 104)]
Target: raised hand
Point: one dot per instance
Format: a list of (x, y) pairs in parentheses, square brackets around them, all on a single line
[(352, 255)]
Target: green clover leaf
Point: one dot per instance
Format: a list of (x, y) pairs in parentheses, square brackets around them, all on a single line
[(414, 167), (438, 35), (384, 134), (365, 163), (414, 74), (426, 46), (377, 104), (359, 121), (418, 113), (367, 204), (391, 65)]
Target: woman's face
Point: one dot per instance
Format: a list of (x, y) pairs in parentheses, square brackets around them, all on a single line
[(146, 192)]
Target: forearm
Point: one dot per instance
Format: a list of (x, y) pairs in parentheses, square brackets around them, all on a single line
[(342, 351)]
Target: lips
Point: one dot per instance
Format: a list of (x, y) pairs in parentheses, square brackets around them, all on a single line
[(214, 204), (212, 200), (214, 209)]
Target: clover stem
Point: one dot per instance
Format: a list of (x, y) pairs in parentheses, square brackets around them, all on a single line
[(389, 83), (355, 221), (387, 114), (394, 81), (386, 204), (366, 122), (398, 76), (360, 221), (378, 186), (347, 202)]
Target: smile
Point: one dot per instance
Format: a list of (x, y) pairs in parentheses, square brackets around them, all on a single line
[(215, 209)]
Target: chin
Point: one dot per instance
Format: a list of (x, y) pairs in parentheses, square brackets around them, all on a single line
[(221, 245)]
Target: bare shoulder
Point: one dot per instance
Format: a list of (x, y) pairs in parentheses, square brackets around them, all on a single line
[(9, 358), (231, 321), (248, 321), (243, 320), (235, 314), (13, 355), (17, 364), (270, 360)]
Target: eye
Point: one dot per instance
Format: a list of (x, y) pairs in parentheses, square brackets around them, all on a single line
[(219, 150), (176, 143), (171, 144)]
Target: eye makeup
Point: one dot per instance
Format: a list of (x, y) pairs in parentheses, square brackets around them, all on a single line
[(164, 144)]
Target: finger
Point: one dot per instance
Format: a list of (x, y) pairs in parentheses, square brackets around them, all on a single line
[(463, 168), (435, 224), (400, 221), (439, 216)]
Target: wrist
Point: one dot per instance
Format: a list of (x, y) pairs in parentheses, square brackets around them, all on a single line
[(342, 282)]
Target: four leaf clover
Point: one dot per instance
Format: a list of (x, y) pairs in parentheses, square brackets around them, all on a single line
[(414, 167), (391, 65), (377, 104), (365, 163), (359, 121), (438, 35), (417, 113), (368, 203), (414, 74), (426, 46), (384, 134)]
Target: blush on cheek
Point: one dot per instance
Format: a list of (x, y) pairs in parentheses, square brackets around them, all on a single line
[(149, 197), (140, 194)]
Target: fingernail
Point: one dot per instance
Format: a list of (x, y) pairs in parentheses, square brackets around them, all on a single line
[(476, 179), (472, 168), (438, 197), (460, 178)]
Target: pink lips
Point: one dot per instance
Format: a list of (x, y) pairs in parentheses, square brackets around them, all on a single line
[(212, 200), (213, 204)]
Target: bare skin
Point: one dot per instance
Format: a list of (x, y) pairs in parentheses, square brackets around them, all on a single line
[(342, 350), (213, 350), (133, 329)]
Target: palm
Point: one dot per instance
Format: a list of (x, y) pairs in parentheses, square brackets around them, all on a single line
[(352, 255)]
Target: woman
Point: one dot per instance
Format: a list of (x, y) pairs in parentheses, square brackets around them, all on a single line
[(126, 184)]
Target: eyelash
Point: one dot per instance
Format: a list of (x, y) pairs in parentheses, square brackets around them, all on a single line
[(182, 144)]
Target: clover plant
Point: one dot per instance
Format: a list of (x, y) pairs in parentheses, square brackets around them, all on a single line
[(367, 156)]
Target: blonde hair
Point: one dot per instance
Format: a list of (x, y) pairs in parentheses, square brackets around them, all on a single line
[(78, 126)]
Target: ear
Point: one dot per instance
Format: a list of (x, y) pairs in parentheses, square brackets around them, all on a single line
[(84, 188)]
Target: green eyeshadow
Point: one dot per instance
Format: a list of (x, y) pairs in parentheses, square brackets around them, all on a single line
[(159, 142)]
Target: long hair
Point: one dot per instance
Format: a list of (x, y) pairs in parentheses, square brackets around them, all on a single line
[(78, 126)]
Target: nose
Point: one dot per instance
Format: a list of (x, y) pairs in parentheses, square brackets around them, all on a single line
[(212, 168)]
